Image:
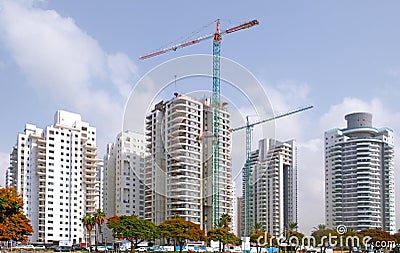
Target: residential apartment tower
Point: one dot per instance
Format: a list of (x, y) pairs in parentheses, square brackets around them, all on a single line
[(55, 171), (273, 187), (178, 175), (359, 175)]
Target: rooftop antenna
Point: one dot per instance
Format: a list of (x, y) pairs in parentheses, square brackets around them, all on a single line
[(176, 92)]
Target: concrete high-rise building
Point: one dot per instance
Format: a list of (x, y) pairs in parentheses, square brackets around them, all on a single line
[(124, 175), (55, 170), (123, 180), (178, 173), (359, 175), (273, 187)]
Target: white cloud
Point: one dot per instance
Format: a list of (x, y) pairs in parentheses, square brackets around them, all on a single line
[(123, 73), (66, 64), (285, 96), (334, 118), (4, 163)]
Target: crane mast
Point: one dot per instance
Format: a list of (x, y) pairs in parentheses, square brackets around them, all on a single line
[(248, 189), (215, 109)]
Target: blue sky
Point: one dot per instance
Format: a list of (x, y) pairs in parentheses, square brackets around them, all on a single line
[(82, 56)]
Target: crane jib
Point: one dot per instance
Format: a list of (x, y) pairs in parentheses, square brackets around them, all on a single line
[(201, 38), (243, 26)]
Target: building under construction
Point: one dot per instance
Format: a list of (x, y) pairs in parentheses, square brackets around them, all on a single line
[(179, 178)]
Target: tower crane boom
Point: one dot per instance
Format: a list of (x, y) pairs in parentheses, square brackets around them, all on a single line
[(276, 116), (199, 39)]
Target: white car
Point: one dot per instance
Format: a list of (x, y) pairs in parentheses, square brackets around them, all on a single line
[(39, 247), (23, 246)]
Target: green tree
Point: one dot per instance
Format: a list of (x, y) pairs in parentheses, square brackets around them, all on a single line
[(132, 228), (223, 236), (256, 232), (224, 221), (257, 227), (180, 230), (321, 232), (294, 239), (378, 234), (89, 223), (258, 236), (99, 218), (319, 227), (292, 226), (14, 225)]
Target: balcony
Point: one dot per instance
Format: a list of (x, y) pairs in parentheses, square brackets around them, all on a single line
[(90, 164), (90, 159), (90, 152), (41, 140), (89, 181), (91, 193), (90, 147), (90, 176), (90, 200), (91, 188), (40, 172)]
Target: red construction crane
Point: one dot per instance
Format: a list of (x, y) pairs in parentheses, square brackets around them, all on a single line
[(201, 38)]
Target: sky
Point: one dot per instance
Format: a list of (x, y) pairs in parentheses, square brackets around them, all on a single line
[(82, 56)]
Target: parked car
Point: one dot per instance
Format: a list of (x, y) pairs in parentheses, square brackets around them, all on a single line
[(78, 248), (101, 248), (142, 249), (52, 247), (23, 246), (39, 247), (63, 249)]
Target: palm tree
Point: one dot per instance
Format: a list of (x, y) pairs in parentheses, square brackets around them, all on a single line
[(99, 218), (292, 226), (224, 221), (257, 227), (319, 227), (89, 223)]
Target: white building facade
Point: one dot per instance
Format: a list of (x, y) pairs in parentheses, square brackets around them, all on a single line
[(55, 171), (359, 175), (178, 173), (124, 176), (273, 188)]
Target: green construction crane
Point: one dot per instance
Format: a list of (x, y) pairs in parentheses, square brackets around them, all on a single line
[(248, 186), (217, 36)]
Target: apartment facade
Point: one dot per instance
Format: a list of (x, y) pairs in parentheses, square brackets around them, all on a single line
[(273, 182), (178, 174), (124, 176), (55, 171), (359, 175)]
